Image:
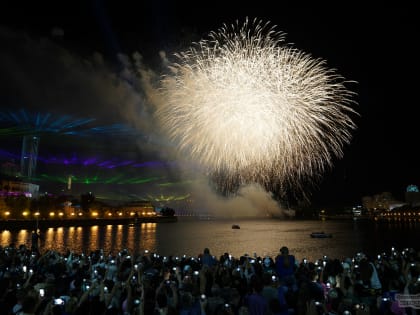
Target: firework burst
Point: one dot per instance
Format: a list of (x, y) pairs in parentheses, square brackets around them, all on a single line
[(251, 108)]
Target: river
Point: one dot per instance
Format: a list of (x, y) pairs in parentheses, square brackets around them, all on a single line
[(190, 236)]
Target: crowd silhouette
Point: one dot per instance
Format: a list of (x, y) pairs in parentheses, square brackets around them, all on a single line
[(125, 283)]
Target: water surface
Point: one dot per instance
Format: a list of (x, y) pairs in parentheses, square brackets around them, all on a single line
[(261, 236)]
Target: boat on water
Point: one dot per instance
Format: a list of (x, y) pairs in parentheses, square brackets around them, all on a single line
[(320, 235), (235, 226)]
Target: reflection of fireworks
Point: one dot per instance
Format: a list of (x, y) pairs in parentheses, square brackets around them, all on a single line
[(252, 109)]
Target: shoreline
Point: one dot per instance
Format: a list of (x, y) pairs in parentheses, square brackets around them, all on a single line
[(55, 223)]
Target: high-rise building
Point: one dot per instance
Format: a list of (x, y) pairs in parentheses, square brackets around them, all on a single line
[(29, 156)]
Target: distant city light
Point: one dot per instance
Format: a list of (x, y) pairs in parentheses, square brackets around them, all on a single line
[(413, 188)]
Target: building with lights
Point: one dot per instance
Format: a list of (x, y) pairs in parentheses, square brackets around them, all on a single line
[(16, 188), (412, 195), (141, 208)]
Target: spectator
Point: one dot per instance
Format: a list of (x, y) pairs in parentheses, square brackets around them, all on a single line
[(255, 301), (268, 265), (285, 268), (207, 259), (29, 305), (35, 237)]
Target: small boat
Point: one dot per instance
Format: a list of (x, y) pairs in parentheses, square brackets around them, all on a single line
[(320, 235), (235, 226)]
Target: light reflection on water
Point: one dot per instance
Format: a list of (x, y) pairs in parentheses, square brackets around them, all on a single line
[(260, 236)]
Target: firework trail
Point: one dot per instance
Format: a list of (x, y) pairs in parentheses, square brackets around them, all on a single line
[(251, 108)]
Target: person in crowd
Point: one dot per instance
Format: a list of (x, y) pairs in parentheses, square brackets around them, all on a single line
[(207, 259), (268, 265), (310, 297), (29, 305), (255, 301), (285, 267), (35, 239), (345, 283), (270, 284), (335, 301), (368, 286), (191, 305), (274, 295), (20, 296)]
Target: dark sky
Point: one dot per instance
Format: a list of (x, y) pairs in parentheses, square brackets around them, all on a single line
[(373, 44)]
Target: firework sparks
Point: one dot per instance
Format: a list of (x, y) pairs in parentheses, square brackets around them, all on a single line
[(251, 108)]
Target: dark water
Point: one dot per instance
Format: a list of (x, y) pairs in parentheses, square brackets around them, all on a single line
[(262, 236)]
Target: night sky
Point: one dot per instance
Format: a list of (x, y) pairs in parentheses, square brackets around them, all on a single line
[(373, 45)]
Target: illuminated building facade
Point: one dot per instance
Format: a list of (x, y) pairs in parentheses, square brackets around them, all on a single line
[(9, 187), (412, 195)]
